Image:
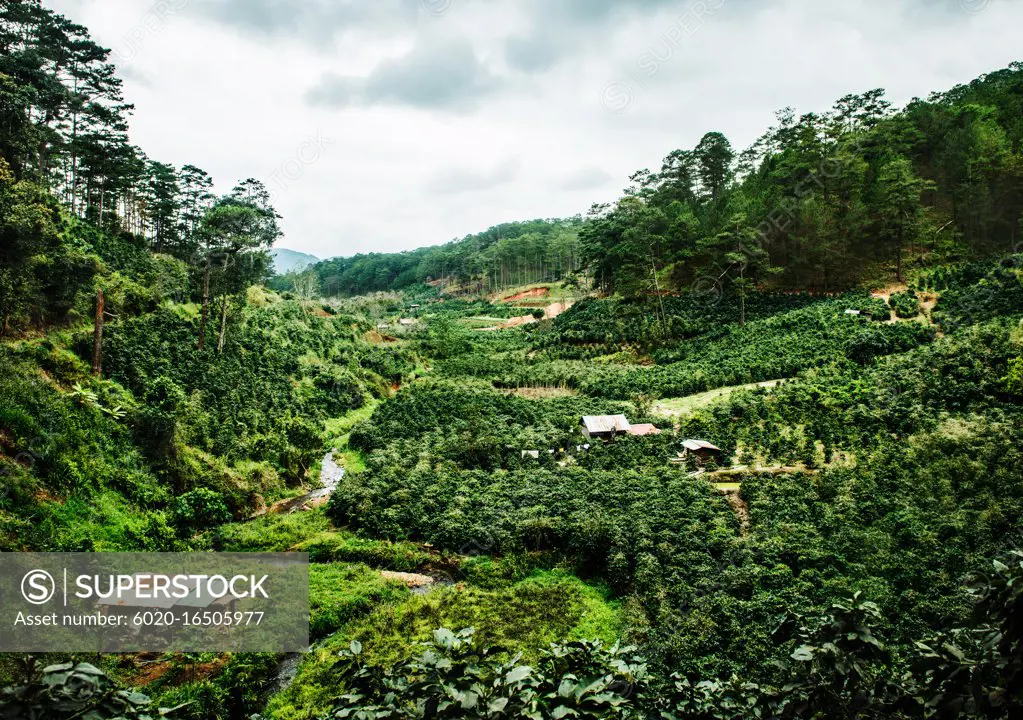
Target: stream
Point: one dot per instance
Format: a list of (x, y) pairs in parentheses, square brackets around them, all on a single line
[(331, 475)]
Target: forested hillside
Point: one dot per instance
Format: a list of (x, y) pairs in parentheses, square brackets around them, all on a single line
[(812, 509), (822, 201), (504, 256)]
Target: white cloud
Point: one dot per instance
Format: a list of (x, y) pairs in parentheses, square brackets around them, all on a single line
[(501, 97)]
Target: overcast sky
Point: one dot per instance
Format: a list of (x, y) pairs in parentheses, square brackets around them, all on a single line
[(385, 125)]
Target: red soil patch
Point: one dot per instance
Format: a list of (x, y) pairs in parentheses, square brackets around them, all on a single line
[(528, 295), (44, 496), (376, 338), (178, 672), (551, 312)]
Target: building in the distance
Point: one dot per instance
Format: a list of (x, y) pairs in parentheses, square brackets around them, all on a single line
[(702, 450), (605, 427)]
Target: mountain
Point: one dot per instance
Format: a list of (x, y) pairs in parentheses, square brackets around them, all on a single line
[(286, 261)]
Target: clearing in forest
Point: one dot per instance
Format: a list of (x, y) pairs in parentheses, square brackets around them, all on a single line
[(672, 407), (539, 393)]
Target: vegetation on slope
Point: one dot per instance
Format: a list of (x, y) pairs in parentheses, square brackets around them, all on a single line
[(873, 494)]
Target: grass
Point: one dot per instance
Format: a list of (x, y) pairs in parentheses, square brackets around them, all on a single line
[(341, 592), (337, 546), (522, 617), (682, 406), (351, 460), (310, 531), (557, 293), (337, 430), (477, 323), (274, 533)]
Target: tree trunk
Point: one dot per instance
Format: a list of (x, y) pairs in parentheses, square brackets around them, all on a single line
[(205, 301), (97, 336), (223, 326)]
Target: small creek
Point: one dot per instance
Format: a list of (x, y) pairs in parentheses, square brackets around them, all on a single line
[(331, 475)]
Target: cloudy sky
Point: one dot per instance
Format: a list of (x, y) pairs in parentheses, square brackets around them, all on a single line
[(384, 125)]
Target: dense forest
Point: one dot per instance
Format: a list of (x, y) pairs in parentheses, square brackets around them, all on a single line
[(505, 256), (820, 202), (836, 312)]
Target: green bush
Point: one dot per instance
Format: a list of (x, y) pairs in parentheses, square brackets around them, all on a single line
[(200, 509), (905, 304), (72, 691)]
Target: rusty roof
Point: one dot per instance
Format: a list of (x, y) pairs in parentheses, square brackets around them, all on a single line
[(694, 445), (596, 424)]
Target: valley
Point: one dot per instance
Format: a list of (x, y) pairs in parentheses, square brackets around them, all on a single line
[(745, 442)]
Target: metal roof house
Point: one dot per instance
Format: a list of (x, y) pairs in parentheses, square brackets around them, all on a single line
[(702, 449), (643, 430), (605, 427)]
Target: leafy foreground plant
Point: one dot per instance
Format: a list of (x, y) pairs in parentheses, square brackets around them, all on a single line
[(453, 678), (835, 666), (75, 692), (979, 672)]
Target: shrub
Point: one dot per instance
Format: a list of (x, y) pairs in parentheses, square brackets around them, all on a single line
[(200, 509), (70, 692), (455, 678), (905, 304)]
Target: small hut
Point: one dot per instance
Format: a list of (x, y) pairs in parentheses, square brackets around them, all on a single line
[(644, 429), (702, 450), (605, 427)]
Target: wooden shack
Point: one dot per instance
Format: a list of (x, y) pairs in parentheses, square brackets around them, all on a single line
[(605, 427), (702, 450)]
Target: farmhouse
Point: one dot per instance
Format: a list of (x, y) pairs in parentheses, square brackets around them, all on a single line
[(643, 430), (701, 449), (605, 427)]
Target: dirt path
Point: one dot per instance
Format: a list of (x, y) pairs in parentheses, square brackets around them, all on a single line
[(533, 294), (733, 494), (550, 312)]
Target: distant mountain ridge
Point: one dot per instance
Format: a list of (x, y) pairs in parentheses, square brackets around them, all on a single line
[(286, 261)]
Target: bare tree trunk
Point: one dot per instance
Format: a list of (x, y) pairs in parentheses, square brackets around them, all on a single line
[(205, 301), (97, 336), (660, 298), (742, 298), (223, 326)]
